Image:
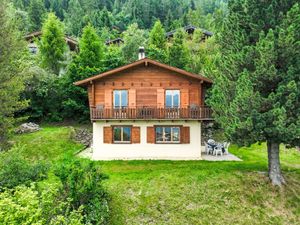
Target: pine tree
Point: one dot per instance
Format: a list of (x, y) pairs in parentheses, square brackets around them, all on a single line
[(36, 13), (88, 62), (256, 95), (12, 51), (52, 45), (157, 36), (133, 39), (74, 18), (178, 52)]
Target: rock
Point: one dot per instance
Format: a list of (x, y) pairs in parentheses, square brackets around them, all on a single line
[(83, 136), (27, 128)]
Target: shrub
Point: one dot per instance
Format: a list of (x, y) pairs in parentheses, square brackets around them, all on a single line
[(26, 205), (82, 183), (15, 170)]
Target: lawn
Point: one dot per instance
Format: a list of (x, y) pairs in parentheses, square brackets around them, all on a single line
[(188, 192)]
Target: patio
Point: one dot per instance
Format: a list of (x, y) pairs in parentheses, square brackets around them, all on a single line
[(227, 157)]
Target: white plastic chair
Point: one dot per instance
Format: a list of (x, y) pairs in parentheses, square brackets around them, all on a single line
[(226, 147), (208, 148), (218, 150)]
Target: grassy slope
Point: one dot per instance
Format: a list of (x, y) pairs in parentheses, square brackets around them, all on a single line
[(198, 192), (187, 192)]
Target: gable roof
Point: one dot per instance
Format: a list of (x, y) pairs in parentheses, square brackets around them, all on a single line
[(140, 62)]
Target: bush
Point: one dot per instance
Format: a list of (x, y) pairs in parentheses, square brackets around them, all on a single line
[(26, 205), (15, 170), (82, 183)]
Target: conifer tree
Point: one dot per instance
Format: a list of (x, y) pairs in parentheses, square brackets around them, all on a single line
[(52, 45), (178, 52), (36, 13), (74, 18), (12, 51), (256, 95), (157, 36)]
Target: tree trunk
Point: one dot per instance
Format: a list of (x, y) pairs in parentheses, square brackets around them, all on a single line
[(274, 164)]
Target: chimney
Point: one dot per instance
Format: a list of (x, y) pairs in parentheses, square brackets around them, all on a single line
[(141, 53)]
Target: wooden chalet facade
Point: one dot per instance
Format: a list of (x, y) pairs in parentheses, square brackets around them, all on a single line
[(147, 110)]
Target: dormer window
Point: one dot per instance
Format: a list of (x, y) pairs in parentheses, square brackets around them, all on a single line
[(172, 98), (120, 99)]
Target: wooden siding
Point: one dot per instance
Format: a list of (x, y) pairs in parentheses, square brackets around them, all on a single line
[(147, 82)]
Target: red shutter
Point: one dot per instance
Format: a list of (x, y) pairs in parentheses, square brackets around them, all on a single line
[(185, 135), (136, 135), (107, 135), (150, 135)]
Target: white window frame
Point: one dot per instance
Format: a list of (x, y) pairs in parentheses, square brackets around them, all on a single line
[(120, 98), (164, 134), (172, 93)]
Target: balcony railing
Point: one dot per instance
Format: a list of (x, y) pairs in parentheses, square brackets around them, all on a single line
[(195, 113)]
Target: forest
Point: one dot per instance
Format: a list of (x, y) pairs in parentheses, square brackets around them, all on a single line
[(252, 55)]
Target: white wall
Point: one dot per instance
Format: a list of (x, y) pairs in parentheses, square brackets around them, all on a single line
[(144, 150)]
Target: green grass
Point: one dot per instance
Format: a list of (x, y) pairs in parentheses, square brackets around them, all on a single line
[(48, 144), (188, 192)]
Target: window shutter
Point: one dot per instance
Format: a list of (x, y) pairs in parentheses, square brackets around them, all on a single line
[(132, 98), (150, 135), (136, 135), (185, 135), (108, 98), (107, 135), (160, 98), (184, 98)]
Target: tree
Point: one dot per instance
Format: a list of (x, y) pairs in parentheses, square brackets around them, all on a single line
[(73, 18), (157, 36), (12, 76), (88, 62), (255, 96), (36, 13), (52, 45), (133, 39), (178, 52)]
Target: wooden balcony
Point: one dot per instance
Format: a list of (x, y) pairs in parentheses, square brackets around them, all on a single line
[(195, 113)]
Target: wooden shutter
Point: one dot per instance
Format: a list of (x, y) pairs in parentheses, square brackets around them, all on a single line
[(108, 98), (132, 98), (150, 135), (136, 135), (184, 98), (107, 135), (160, 98), (185, 135)]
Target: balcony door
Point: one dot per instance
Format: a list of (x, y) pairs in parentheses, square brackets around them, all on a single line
[(120, 98), (172, 103)]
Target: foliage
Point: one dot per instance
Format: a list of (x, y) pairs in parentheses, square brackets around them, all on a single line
[(45, 93), (26, 205), (52, 45), (259, 66), (12, 65), (36, 13), (15, 170), (133, 39), (82, 183), (157, 36), (73, 18), (178, 51), (88, 62)]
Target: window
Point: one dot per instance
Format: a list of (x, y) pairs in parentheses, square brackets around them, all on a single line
[(120, 98), (122, 134), (172, 98), (167, 134)]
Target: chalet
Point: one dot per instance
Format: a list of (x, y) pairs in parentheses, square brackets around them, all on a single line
[(147, 110), (31, 37)]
